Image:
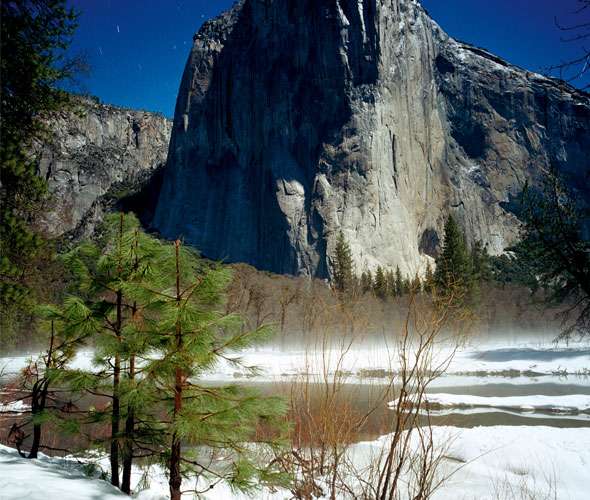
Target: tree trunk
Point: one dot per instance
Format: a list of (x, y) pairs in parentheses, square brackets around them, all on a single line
[(116, 415), (39, 398), (129, 429), (35, 410), (130, 419), (39, 407), (114, 451), (175, 477), (36, 441)]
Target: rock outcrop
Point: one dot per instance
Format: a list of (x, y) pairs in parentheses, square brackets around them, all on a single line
[(297, 120), (95, 157)]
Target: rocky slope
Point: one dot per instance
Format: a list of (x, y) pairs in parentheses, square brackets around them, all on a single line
[(96, 157), (296, 120)]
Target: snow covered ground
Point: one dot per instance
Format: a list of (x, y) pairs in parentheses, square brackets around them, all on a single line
[(499, 361), (509, 462), (486, 463), (570, 406), (508, 361), (15, 407), (47, 479), (560, 404)]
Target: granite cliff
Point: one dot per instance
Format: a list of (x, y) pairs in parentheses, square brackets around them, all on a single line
[(299, 119), (97, 156)]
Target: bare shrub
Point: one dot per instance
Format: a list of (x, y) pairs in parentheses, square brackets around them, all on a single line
[(328, 421)]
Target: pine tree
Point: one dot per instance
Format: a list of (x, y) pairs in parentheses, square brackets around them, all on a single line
[(453, 267), (380, 285), (428, 280), (416, 285), (367, 282), (343, 271), (390, 283), (189, 338), (478, 273), (406, 285), (41, 377), (480, 263), (399, 282), (34, 35), (157, 302), (104, 278)]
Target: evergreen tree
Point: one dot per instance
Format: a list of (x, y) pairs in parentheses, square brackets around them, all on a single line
[(343, 271), (190, 337), (453, 267), (480, 263), (514, 268), (104, 278), (42, 375), (367, 281), (555, 240), (406, 285), (399, 282), (157, 303), (390, 283), (380, 284), (416, 285), (428, 277), (34, 35), (365, 285)]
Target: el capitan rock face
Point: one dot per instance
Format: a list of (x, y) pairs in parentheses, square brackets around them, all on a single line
[(298, 119)]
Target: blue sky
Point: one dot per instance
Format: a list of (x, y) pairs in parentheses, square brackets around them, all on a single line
[(138, 48)]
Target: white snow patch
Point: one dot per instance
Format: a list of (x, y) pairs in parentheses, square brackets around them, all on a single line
[(45, 479), (53, 478), (484, 461), (567, 404), (580, 402), (505, 461), (17, 407), (359, 362)]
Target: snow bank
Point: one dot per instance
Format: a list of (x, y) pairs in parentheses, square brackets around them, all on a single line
[(378, 361), (549, 360), (486, 463), (47, 479), (16, 407), (576, 406), (571, 403), (491, 463), (510, 459)]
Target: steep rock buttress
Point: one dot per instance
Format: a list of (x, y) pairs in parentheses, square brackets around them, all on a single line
[(299, 119)]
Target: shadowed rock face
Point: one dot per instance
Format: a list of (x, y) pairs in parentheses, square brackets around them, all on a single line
[(298, 119)]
